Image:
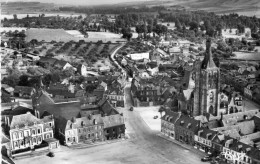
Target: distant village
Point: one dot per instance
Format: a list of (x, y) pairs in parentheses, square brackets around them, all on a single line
[(57, 93)]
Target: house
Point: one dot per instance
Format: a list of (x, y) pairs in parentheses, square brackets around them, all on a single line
[(236, 104), (114, 127), (248, 90), (139, 56), (84, 129), (167, 123), (82, 69), (240, 152), (185, 129), (115, 93), (218, 142), (203, 139), (23, 91), (30, 132), (46, 62)]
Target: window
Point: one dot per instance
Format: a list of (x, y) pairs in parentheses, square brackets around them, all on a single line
[(33, 132), (50, 124), (39, 130), (15, 135), (22, 143), (34, 140), (88, 135), (16, 144), (39, 139), (21, 134)]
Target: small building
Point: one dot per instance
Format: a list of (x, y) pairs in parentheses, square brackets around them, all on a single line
[(28, 132), (114, 127), (23, 91), (139, 56), (167, 123), (185, 129), (203, 139)]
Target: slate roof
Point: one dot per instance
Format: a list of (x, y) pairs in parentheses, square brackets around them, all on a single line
[(206, 133), (84, 121), (171, 116), (66, 110), (113, 120), (23, 119), (51, 61), (208, 60), (60, 63), (107, 109), (188, 123), (23, 89)]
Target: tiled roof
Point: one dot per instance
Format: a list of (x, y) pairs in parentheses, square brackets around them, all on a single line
[(113, 120), (24, 119)]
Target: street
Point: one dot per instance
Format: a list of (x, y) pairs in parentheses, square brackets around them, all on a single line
[(143, 147)]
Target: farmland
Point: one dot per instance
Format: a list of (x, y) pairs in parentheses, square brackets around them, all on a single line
[(94, 54), (60, 35)]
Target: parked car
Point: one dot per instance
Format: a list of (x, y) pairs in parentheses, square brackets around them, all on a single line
[(155, 117), (50, 154), (131, 109), (206, 159)]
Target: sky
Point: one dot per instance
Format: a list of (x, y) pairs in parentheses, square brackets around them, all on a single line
[(77, 2)]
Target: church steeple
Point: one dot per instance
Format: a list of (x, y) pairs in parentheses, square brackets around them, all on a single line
[(208, 60)]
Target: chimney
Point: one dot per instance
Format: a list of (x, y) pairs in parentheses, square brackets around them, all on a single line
[(199, 132), (248, 149), (73, 120), (208, 135)]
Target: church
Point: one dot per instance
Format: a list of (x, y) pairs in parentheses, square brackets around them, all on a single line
[(200, 89)]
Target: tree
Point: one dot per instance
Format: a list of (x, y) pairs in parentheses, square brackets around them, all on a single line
[(15, 16), (241, 28), (219, 29), (23, 80), (5, 19), (194, 26), (5, 97), (210, 32), (68, 72), (178, 24), (127, 33)]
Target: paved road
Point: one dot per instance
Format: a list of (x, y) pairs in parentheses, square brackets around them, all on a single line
[(144, 147)]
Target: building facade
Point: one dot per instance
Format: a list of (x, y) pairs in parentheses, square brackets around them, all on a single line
[(28, 131)]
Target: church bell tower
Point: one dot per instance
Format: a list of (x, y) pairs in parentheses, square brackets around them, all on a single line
[(207, 83)]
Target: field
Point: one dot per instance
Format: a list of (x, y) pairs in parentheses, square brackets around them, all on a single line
[(82, 53), (244, 7), (48, 35), (255, 56), (26, 7), (60, 35)]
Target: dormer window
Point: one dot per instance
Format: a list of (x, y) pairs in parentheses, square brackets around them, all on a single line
[(189, 125)]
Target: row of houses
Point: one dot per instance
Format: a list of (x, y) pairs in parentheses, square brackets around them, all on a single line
[(68, 122), (111, 87), (214, 140)]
